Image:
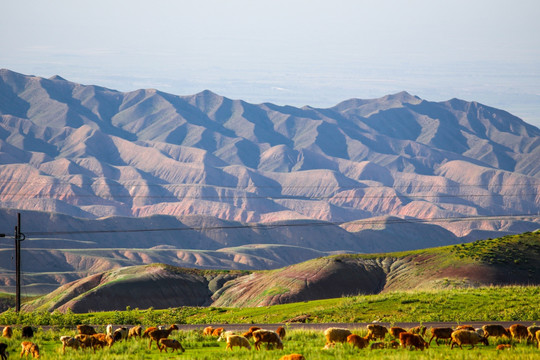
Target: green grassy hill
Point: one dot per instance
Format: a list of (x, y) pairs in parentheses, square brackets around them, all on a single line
[(504, 261), (509, 260)]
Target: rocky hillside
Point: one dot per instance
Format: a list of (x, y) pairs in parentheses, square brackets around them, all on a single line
[(209, 182), (507, 260), (90, 152)]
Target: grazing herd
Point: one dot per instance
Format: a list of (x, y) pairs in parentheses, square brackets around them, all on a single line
[(88, 338), (414, 337)]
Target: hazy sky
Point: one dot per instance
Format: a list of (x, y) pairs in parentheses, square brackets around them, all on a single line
[(289, 52)]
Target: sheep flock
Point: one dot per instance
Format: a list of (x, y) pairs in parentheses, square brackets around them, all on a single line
[(373, 337)]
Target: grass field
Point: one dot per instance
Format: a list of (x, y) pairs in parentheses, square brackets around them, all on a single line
[(306, 342), (513, 303), (507, 303)]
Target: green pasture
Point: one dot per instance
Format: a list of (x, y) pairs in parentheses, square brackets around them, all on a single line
[(306, 342), (507, 303), (512, 303)]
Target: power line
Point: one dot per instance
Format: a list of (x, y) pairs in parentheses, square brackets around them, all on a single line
[(236, 187), (250, 196)]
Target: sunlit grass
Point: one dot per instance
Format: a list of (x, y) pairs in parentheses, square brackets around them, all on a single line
[(306, 342)]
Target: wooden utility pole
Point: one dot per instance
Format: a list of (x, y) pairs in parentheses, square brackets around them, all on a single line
[(18, 238)]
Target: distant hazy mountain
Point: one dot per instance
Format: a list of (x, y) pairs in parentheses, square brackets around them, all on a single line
[(91, 153)]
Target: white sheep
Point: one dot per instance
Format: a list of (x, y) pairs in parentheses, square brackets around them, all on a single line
[(237, 340), (334, 335)]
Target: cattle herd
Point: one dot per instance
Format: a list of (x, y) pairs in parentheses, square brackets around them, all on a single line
[(378, 337)]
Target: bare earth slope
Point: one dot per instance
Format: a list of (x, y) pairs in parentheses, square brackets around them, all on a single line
[(507, 260), (90, 152), (123, 173)]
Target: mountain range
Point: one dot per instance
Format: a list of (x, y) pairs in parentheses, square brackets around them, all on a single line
[(106, 179)]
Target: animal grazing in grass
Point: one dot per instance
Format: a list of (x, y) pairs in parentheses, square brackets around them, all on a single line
[(148, 331), (86, 330), (268, 337), (237, 340), (135, 331), (334, 335), (70, 341), (464, 337), (504, 347), (465, 327), (293, 357), (7, 332), (412, 341), (27, 332), (173, 344), (101, 340), (376, 331), (495, 331), (249, 333), (29, 348), (120, 334), (3, 349), (358, 341), (87, 341), (440, 333), (518, 331), (216, 332), (531, 331), (208, 331), (158, 334), (281, 332), (395, 331), (225, 334)]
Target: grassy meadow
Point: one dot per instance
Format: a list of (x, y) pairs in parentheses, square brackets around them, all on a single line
[(306, 342), (506, 303), (513, 303)]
